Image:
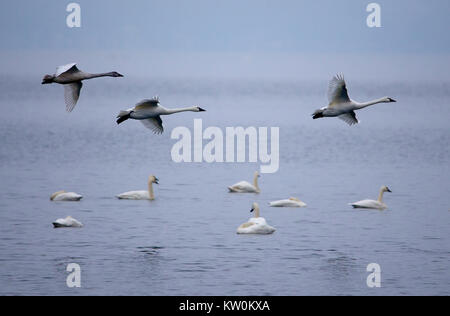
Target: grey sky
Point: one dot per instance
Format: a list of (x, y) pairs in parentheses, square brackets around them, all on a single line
[(227, 26), (233, 38)]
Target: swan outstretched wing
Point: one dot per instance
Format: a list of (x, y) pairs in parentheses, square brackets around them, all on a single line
[(72, 94), (147, 103), (337, 90), (155, 124), (349, 118), (69, 67)]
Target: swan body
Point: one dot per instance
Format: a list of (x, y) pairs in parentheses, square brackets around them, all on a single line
[(341, 106), (149, 112), (291, 202), (67, 222), (246, 187), (65, 196), (373, 204), (256, 224), (71, 77), (141, 195)]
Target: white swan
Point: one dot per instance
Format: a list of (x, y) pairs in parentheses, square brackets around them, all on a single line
[(341, 105), (372, 204), (65, 196), (67, 222), (149, 113), (256, 224), (70, 76), (245, 187), (141, 195), (291, 202)]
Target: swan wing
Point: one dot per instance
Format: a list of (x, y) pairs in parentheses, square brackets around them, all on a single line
[(134, 195), (372, 204), (337, 91), (155, 124), (72, 94), (349, 118), (147, 103), (66, 68), (242, 186)]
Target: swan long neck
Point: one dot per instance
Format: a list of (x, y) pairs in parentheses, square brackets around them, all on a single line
[(369, 103), (178, 110), (256, 212), (380, 196), (150, 190), (255, 182), (104, 74)]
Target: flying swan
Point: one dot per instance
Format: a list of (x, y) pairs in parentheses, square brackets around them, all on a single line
[(149, 112), (67, 222), (71, 77), (291, 202), (341, 105), (245, 187), (65, 196), (372, 204), (141, 195), (256, 224)]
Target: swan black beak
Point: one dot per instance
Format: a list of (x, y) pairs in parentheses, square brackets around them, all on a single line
[(388, 190), (156, 180), (252, 210), (119, 75), (201, 110), (392, 100)]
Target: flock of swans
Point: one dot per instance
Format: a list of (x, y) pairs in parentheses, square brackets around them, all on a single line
[(149, 112)]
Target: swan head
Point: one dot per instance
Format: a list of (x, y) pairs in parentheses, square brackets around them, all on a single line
[(385, 189), (153, 179), (199, 109), (255, 207), (48, 79), (294, 199), (116, 74), (389, 100), (257, 175)]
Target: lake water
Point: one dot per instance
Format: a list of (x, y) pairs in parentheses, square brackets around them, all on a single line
[(185, 242)]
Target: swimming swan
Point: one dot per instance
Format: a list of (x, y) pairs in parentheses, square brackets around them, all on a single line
[(341, 105), (245, 187), (372, 204), (70, 76), (256, 224), (67, 222), (291, 202), (65, 196), (141, 195), (149, 113)]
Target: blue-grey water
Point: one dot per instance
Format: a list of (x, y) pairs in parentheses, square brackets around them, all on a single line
[(185, 242)]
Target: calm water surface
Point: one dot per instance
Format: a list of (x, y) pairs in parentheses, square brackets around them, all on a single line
[(185, 242)]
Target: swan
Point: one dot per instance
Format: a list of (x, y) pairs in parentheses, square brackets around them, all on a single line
[(291, 202), (141, 195), (256, 224), (341, 105), (149, 112), (372, 204), (65, 196), (71, 77), (245, 187), (67, 222)]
